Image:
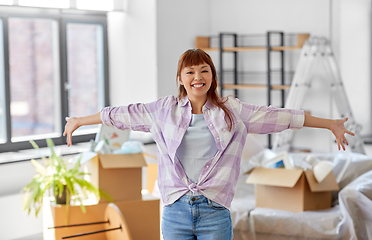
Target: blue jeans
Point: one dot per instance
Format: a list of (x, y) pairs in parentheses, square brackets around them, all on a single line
[(196, 218)]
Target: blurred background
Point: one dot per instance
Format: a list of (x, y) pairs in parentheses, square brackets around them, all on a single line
[(73, 57)]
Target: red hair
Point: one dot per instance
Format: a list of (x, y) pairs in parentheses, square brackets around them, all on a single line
[(194, 57)]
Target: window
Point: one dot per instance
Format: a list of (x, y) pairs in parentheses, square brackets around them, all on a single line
[(52, 65), (32, 77), (85, 69), (98, 5)]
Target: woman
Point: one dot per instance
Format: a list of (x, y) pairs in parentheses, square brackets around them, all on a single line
[(200, 138)]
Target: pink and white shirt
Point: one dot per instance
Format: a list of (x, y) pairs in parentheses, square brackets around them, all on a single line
[(168, 119)]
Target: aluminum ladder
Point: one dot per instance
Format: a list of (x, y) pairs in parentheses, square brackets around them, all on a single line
[(317, 53)]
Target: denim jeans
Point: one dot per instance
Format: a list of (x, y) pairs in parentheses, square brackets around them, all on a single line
[(196, 218)]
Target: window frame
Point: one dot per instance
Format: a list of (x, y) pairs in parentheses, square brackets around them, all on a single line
[(62, 17)]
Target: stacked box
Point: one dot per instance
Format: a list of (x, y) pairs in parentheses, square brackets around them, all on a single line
[(119, 175)]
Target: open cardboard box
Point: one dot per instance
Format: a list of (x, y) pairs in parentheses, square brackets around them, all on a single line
[(142, 218), (119, 175), (151, 177), (291, 190)]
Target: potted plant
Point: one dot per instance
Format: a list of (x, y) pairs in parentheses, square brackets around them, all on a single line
[(60, 179)]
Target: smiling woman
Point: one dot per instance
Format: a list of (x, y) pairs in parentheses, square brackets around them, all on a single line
[(200, 183)]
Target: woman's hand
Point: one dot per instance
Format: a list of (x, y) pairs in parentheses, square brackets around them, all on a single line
[(71, 125), (338, 129), (335, 126), (74, 123)]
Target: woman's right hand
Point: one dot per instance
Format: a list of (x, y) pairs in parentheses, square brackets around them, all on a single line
[(71, 125), (74, 123)]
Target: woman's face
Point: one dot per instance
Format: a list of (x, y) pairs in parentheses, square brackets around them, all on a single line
[(197, 80)]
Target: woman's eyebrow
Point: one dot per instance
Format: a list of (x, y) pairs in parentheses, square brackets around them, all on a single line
[(188, 68)]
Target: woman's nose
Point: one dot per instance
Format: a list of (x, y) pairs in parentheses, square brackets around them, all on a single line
[(198, 76)]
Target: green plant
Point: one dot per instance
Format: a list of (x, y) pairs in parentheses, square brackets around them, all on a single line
[(55, 175)]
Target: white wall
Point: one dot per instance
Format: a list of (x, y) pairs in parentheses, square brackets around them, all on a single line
[(132, 53), (355, 58), (178, 22), (260, 16), (14, 223), (13, 177)]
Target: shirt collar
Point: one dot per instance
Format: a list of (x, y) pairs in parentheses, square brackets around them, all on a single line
[(209, 105), (185, 100)]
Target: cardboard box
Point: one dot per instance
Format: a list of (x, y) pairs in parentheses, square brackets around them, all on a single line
[(56, 215), (291, 190), (142, 218), (151, 177), (119, 175)]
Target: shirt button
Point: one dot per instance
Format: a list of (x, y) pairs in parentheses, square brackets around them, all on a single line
[(207, 166), (217, 138)]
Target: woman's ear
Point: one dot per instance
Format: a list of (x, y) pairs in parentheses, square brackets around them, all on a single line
[(179, 80)]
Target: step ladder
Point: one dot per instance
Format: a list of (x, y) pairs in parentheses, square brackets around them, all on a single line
[(317, 54)]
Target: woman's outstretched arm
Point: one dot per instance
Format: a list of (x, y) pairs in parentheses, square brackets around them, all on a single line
[(74, 123), (336, 126)]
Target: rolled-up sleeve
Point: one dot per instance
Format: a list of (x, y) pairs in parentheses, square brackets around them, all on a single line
[(297, 119)]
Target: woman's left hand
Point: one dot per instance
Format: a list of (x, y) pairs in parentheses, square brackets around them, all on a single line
[(338, 129)]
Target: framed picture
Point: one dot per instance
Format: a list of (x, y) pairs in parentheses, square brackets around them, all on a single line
[(281, 160), (113, 137)]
